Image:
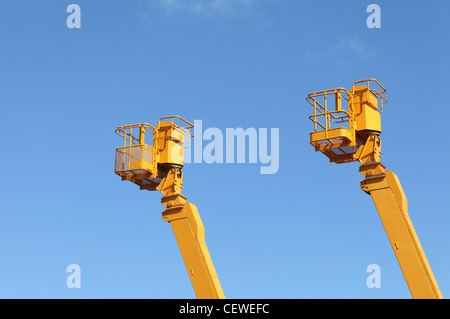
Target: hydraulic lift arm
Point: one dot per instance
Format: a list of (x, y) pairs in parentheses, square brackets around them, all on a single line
[(190, 234), (158, 167), (349, 134), (391, 204)]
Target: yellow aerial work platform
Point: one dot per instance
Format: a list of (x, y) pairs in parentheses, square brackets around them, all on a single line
[(158, 167), (347, 125)]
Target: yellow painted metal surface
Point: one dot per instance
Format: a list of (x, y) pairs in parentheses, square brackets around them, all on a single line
[(190, 234), (342, 119), (391, 203), (361, 95), (333, 137), (158, 167), (170, 140), (368, 119), (135, 157), (335, 128)]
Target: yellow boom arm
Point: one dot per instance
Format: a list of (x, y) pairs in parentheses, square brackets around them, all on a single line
[(190, 234), (391, 203), (158, 167), (352, 134)]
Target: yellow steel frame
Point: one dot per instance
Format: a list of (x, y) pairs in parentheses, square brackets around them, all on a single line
[(190, 234), (391, 203), (334, 132), (322, 109), (336, 128), (379, 90), (132, 143), (383, 186), (168, 178)]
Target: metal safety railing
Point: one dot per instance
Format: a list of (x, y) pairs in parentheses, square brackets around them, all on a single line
[(184, 129), (378, 91), (127, 155), (134, 149), (328, 116)]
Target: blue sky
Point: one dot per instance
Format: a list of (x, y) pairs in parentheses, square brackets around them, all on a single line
[(306, 232)]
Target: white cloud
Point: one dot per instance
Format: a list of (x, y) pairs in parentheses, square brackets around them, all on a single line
[(207, 8), (344, 50), (355, 46)]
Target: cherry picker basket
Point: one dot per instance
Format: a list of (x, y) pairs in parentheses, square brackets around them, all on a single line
[(135, 159), (343, 119), (145, 165)]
